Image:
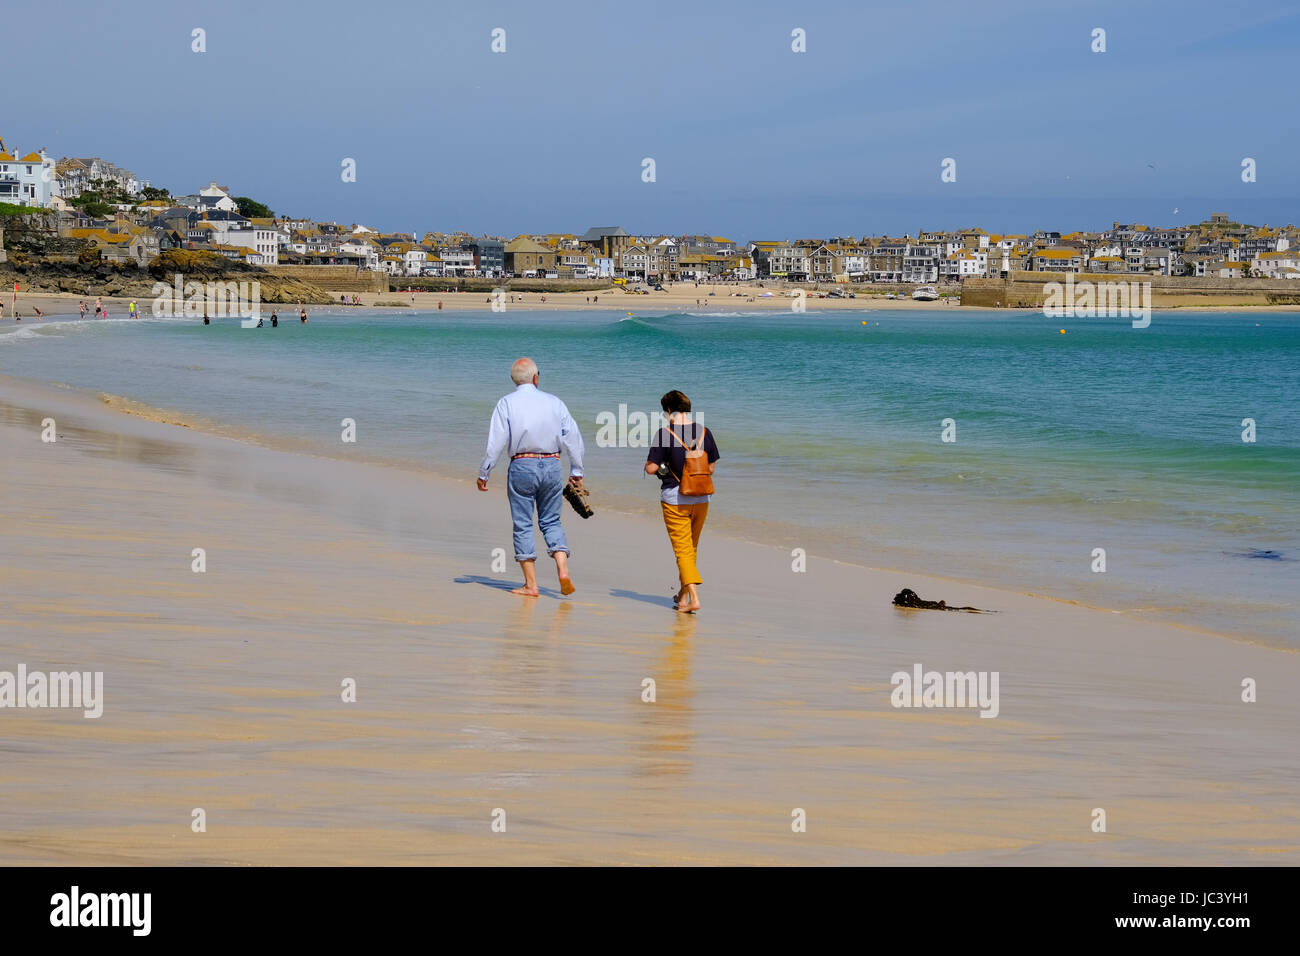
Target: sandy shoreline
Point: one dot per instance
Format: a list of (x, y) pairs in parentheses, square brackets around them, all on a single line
[(678, 298), (222, 688)]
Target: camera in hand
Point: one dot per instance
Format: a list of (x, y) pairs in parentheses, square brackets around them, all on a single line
[(578, 500), (664, 471)]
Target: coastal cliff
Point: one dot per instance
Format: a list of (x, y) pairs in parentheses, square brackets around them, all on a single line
[(33, 254)]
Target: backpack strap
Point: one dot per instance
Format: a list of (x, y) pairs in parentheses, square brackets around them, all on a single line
[(699, 442)]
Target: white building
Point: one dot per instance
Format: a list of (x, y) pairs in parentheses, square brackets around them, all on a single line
[(265, 242), (213, 196), (974, 263), (26, 180), (73, 176), (744, 268), (856, 266), (1276, 265), (359, 247), (414, 260), (456, 261), (787, 261), (964, 263), (921, 263)]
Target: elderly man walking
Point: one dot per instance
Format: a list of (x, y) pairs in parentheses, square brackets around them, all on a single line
[(533, 426)]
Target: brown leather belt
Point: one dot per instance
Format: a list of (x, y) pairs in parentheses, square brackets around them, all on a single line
[(530, 454)]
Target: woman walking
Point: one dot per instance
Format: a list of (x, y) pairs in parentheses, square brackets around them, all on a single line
[(683, 455)]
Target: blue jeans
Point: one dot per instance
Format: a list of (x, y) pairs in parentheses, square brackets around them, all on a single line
[(539, 482)]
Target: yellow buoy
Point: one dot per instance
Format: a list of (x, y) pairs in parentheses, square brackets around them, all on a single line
[(1062, 331)]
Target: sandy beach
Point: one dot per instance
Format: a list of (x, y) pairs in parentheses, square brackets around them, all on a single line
[(682, 297), (222, 689)]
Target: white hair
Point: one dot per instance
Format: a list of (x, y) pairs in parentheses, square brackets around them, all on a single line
[(523, 371)]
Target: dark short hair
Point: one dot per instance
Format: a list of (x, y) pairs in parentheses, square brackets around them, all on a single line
[(675, 401)]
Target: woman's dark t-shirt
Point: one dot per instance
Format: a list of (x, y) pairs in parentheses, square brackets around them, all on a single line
[(665, 447)]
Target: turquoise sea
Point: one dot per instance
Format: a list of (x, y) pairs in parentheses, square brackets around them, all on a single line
[(1128, 440)]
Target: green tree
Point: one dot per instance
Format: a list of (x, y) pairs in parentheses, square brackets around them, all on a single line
[(93, 203), (96, 209), (153, 192), (252, 209)]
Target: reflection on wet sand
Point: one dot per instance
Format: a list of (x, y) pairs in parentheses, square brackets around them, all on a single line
[(665, 748), (529, 662)]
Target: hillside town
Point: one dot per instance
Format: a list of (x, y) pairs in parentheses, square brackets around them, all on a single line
[(124, 220)]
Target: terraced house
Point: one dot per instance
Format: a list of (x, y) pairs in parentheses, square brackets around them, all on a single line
[(576, 263), (787, 261), (885, 262), (921, 263), (836, 262), (959, 264), (1057, 260), (74, 175), (1284, 264)]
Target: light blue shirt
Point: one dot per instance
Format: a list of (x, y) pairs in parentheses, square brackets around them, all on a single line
[(529, 420), (669, 496)]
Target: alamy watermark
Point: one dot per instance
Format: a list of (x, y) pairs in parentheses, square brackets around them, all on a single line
[(56, 689), (211, 299), (922, 688), (624, 429), (1090, 300), (127, 910)]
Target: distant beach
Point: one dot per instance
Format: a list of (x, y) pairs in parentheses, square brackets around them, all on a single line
[(680, 296)]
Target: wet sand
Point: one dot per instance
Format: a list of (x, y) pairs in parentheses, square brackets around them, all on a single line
[(223, 689)]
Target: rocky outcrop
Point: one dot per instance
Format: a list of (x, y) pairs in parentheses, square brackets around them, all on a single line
[(79, 275)]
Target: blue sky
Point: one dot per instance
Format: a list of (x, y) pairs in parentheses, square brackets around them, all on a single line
[(750, 139)]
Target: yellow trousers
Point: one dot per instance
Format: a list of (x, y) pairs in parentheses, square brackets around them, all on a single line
[(684, 524)]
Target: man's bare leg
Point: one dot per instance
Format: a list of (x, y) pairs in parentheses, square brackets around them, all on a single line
[(562, 568), (530, 579)]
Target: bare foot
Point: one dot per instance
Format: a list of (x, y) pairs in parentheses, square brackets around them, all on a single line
[(566, 585), (526, 592), (688, 600)]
